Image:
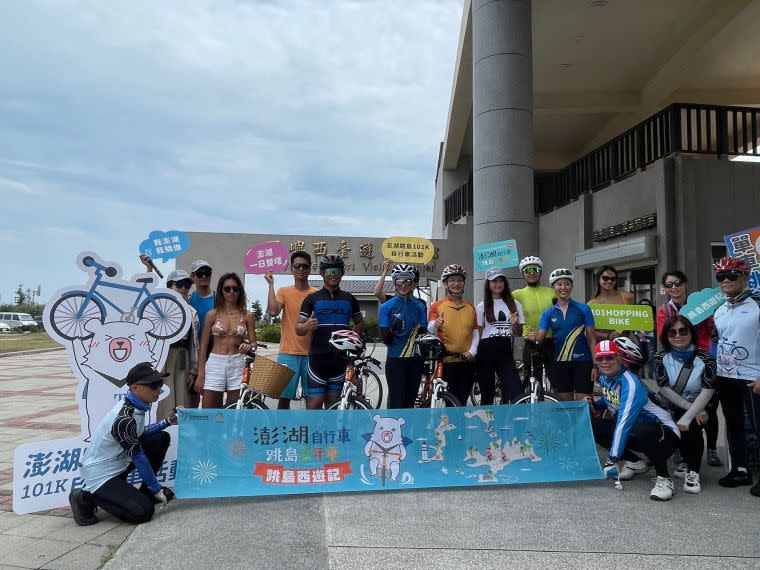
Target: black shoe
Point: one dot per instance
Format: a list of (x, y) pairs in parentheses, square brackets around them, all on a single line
[(83, 511), (755, 489), (735, 478)]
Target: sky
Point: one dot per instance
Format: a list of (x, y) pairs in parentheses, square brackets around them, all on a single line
[(119, 118)]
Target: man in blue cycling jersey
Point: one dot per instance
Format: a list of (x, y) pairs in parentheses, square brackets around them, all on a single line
[(322, 313)]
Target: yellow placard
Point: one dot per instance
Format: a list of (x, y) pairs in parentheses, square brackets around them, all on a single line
[(408, 249)]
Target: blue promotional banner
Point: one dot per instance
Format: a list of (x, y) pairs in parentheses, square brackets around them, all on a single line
[(746, 245), (165, 245), (497, 254), (702, 304), (229, 453)]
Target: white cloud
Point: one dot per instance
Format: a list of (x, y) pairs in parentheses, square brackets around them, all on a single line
[(216, 116)]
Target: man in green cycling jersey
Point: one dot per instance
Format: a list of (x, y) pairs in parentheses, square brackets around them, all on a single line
[(535, 299)]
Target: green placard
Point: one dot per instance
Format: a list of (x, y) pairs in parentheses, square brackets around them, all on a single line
[(623, 317)]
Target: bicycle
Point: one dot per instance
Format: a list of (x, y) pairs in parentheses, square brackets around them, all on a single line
[(540, 390), (350, 398), (434, 392), (377, 449), (249, 399), (474, 398), (71, 312)]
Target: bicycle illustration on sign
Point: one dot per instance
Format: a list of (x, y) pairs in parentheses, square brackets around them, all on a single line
[(109, 326), (731, 354)]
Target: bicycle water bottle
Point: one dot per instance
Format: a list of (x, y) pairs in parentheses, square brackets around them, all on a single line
[(246, 374)]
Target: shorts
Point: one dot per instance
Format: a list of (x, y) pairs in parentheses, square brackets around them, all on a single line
[(573, 377), (224, 372), (326, 374), (299, 364)]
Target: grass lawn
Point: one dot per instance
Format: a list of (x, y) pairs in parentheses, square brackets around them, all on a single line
[(10, 342)]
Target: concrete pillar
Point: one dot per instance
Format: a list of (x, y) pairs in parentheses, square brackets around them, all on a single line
[(502, 86)]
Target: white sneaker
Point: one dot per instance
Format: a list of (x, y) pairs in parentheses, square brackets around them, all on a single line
[(681, 471), (691, 483), (663, 489), (631, 468)]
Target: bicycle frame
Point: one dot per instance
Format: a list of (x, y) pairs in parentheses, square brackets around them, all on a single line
[(93, 292), (348, 392)]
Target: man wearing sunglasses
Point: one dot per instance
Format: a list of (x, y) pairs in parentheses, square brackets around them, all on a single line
[(122, 443), (535, 299), (294, 349), (736, 330), (322, 313)]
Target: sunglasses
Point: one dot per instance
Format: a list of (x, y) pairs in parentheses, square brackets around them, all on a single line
[(683, 331), (402, 282), (229, 289), (607, 278), (203, 273), (184, 284), (532, 270), (154, 385), (671, 284), (605, 358), (721, 276), (333, 271), (300, 266)]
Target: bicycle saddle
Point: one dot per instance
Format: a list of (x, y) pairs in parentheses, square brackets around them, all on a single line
[(145, 280)]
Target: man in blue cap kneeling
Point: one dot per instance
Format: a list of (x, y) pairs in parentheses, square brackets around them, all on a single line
[(122, 443)]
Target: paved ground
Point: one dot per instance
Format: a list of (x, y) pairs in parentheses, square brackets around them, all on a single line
[(588, 525)]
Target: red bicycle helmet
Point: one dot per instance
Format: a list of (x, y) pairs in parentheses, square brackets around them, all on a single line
[(731, 264), (629, 351)]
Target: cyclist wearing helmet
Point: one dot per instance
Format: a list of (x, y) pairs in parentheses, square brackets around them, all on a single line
[(686, 376), (388, 265), (401, 319), (572, 327), (630, 423), (322, 313), (676, 287), (736, 330), (453, 320), (500, 318), (535, 299)]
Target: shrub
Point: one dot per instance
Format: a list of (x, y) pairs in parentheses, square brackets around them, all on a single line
[(269, 333), (371, 329)]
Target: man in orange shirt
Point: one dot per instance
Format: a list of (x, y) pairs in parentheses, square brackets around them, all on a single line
[(454, 321), (294, 349)]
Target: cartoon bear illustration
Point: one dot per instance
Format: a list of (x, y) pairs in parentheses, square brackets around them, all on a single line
[(386, 446), (105, 359)]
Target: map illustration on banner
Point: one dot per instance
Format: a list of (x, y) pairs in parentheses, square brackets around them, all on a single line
[(268, 256), (225, 453), (623, 317), (746, 245), (107, 325), (497, 254), (408, 249), (165, 245), (702, 304)]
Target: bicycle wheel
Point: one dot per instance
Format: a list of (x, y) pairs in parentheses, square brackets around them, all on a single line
[(372, 389), (165, 312), (355, 403), (63, 315), (525, 399), (445, 400), (252, 404)]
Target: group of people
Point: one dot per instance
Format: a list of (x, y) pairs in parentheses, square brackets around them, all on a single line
[(638, 426)]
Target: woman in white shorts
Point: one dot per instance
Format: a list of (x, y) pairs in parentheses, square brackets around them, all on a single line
[(231, 324)]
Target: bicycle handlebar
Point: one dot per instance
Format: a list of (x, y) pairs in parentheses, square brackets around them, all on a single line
[(89, 261)]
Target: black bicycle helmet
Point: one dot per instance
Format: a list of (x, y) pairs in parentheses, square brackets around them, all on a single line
[(331, 261)]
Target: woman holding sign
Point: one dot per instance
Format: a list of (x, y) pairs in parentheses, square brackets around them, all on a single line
[(686, 376), (500, 318), (607, 293), (572, 326)]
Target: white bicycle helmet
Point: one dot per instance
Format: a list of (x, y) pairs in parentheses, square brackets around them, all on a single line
[(346, 341), (629, 350), (561, 273), (453, 269), (402, 271), (531, 260)]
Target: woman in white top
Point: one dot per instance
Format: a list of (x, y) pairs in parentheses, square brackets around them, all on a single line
[(500, 317)]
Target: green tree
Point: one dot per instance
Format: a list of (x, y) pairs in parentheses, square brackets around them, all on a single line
[(257, 311)]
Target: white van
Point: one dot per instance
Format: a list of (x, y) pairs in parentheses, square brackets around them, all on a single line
[(15, 320)]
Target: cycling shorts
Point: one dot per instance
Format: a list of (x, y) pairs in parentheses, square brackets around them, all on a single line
[(326, 374), (573, 377)]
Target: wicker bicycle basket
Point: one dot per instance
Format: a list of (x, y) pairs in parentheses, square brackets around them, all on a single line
[(269, 377)]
